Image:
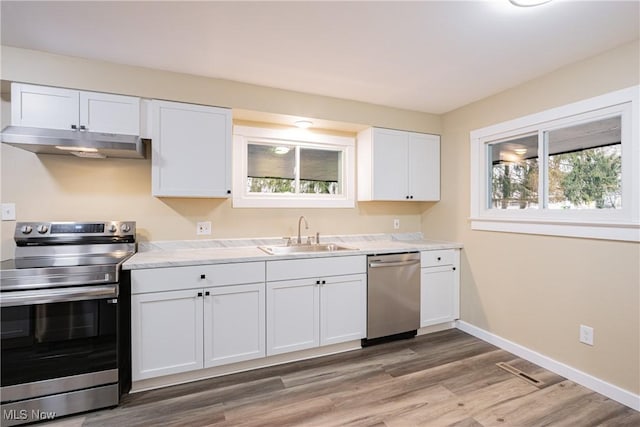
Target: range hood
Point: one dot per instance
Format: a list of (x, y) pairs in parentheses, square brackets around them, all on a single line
[(79, 143)]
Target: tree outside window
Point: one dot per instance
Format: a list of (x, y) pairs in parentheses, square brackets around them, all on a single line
[(583, 168)]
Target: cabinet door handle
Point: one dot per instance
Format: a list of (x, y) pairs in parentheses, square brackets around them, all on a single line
[(83, 127), (203, 276), (324, 282), (454, 269), (74, 127), (317, 282), (199, 294), (411, 197), (407, 197), (206, 294), (228, 191), (439, 259)]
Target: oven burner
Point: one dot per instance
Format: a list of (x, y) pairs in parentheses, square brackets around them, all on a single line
[(59, 303)]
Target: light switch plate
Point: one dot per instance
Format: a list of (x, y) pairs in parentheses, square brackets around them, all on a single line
[(8, 211)]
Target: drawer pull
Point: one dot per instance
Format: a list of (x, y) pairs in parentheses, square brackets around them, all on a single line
[(203, 276), (439, 258), (199, 294)]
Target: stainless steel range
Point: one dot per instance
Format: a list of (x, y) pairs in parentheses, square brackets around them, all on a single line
[(59, 308)]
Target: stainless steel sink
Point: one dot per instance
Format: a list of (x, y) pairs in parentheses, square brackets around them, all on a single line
[(301, 249)]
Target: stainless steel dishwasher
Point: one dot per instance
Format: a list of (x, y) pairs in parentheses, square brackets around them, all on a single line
[(393, 297)]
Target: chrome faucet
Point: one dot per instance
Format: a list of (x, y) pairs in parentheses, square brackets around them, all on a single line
[(306, 227)]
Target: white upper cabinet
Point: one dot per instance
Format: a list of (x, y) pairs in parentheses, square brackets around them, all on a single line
[(424, 166), (191, 150), (44, 107), (56, 108), (398, 165), (107, 113)]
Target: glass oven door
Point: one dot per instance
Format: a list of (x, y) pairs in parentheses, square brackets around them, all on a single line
[(58, 333)]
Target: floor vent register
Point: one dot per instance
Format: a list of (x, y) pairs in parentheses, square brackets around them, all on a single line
[(517, 372)]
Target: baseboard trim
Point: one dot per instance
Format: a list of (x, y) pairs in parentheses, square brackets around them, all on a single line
[(611, 391)]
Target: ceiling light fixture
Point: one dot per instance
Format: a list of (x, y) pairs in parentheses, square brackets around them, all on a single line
[(528, 3), (304, 124), (281, 150), (520, 151)]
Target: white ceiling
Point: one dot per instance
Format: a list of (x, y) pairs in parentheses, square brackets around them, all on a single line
[(430, 56)]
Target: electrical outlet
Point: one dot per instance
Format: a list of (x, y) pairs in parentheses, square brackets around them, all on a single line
[(396, 224), (203, 228), (586, 335), (8, 211)]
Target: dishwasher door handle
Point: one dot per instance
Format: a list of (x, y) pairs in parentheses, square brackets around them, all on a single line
[(377, 264)]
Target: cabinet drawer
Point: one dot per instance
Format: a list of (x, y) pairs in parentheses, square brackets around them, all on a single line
[(438, 257), (197, 276), (315, 267)]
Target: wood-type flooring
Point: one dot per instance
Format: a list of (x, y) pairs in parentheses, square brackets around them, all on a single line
[(447, 378)]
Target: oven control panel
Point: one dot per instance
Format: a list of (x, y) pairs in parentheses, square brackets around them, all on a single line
[(74, 230)]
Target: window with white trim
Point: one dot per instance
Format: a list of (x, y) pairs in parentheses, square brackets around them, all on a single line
[(292, 168), (569, 171)]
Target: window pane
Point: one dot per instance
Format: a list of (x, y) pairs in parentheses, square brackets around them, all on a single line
[(513, 173), (270, 168), (320, 171), (585, 166)]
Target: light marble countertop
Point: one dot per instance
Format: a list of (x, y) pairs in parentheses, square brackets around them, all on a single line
[(219, 251)]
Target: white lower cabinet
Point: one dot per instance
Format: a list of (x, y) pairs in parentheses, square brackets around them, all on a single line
[(439, 286), (343, 309), (234, 324), (293, 315), (309, 312), (166, 333), (184, 330), (189, 318)]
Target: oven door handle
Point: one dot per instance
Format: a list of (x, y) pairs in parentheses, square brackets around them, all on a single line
[(46, 296)]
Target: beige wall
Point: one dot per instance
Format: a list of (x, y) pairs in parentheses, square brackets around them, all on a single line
[(67, 188), (536, 290)]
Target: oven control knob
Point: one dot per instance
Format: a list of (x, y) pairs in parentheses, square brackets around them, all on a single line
[(42, 229), (125, 228), (113, 228), (26, 229)]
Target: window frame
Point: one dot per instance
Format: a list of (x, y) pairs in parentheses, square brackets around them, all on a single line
[(611, 224), (303, 138)]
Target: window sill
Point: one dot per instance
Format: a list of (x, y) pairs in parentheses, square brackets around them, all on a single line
[(628, 232)]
